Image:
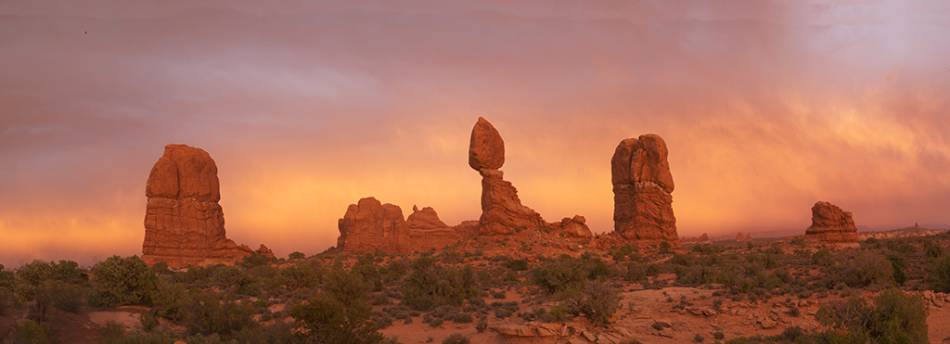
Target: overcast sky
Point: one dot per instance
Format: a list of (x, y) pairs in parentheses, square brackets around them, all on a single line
[(767, 107)]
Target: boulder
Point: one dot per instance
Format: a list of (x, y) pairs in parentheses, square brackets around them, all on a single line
[(575, 227), (643, 186), (831, 224), (184, 224), (486, 149)]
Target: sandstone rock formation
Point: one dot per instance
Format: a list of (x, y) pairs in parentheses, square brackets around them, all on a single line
[(575, 227), (743, 237), (425, 218), (831, 224), (184, 225), (642, 185), (371, 226), (502, 211)]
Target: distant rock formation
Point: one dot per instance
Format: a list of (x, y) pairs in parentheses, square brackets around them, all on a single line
[(742, 237), (575, 227), (502, 211), (370, 226), (831, 224), (184, 225), (643, 186)]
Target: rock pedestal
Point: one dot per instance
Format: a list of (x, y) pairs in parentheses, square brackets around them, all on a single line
[(643, 186), (184, 224), (831, 224), (502, 211)]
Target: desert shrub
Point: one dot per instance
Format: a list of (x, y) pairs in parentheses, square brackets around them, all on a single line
[(456, 338), (277, 333), (932, 249), (636, 272), (256, 259), (899, 267), (62, 295), (296, 255), (30, 332), (866, 268), (430, 285), (894, 318), (624, 252), (366, 267), (139, 338), (118, 281), (566, 273), (597, 301), (340, 313), (112, 332), (169, 300), (211, 313), (940, 277), (823, 257), (298, 276), (148, 320), (34, 273), (517, 264)]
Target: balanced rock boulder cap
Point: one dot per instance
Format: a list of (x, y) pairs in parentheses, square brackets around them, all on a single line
[(486, 149)]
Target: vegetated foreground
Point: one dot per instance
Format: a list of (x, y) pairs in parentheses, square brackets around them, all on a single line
[(772, 291)]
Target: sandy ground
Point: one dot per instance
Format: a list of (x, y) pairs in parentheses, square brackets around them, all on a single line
[(938, 324)]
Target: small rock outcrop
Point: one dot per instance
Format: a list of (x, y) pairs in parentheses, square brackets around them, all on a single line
[(643, 186), (184, 224), (370, 226), (829, 223), (575, 227), (502, 211)]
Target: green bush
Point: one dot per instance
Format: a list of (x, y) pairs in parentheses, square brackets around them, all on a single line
[(296, 255), (119, 281), (340, 313), (30, 332), (940, 277), (64, 296), (430, 285), (456, 339), (894, 318), (865, 269), (597, 301), (567, 273), (210, 313), (169, 300)]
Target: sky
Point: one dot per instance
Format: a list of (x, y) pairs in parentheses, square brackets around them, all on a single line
[(766, 106)]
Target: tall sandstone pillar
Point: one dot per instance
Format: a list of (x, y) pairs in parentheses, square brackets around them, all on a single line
[(184, 224), (643, 186)]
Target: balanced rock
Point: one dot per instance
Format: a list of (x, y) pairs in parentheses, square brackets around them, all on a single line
[(184, 224), (643, 186), (371, 226), (502, 211), (831, 224), (486, 149)]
